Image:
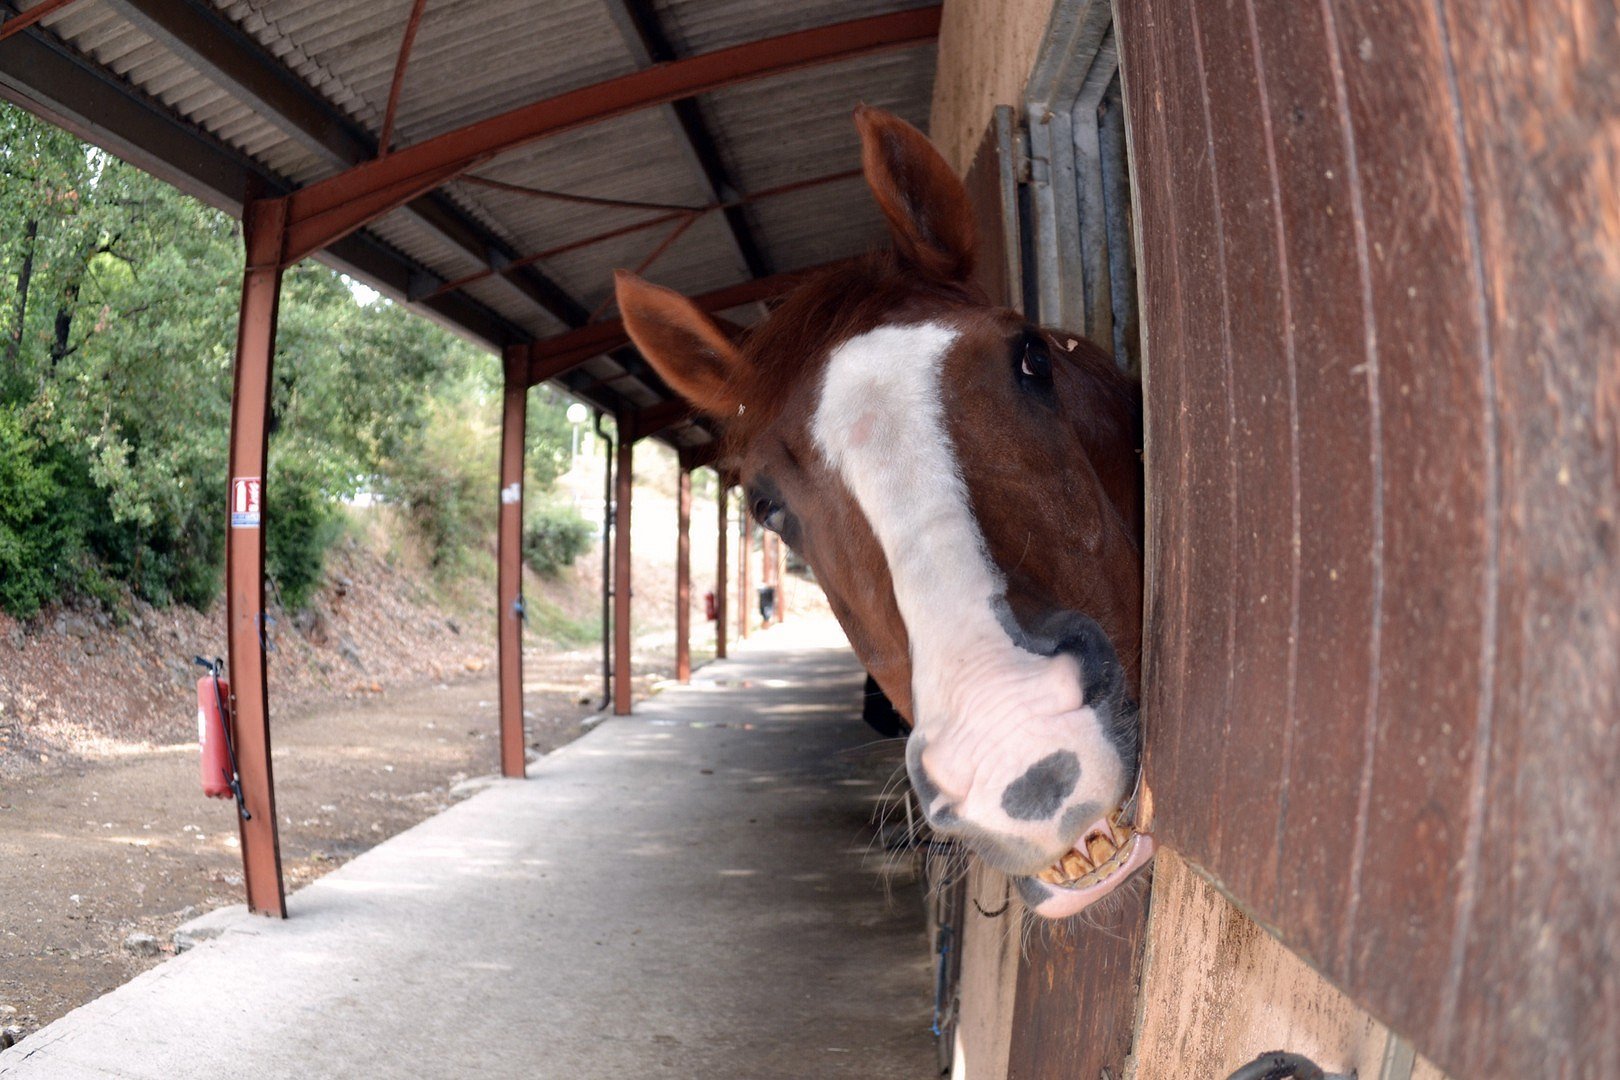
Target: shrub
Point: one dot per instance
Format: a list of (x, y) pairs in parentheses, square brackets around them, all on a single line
[(444, 482), (301, 523), (554, 537), (32, 546)]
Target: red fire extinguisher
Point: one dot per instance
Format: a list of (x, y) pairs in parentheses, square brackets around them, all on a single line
[(218, 771), (711, 610)]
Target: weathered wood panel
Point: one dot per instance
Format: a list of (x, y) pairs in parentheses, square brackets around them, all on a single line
[(992, 186), (1077, 993), (1218, 991), (1262, 494), (1535, 979), (1380, 269), (1432, 468), (990, 958), (1204, 374), (1324, 734), (1164, 430)]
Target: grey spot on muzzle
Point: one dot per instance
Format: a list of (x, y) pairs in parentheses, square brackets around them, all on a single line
[(1039, 793), (1076, 818)]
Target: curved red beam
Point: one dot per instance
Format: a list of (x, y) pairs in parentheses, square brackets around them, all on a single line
[(330, 209)]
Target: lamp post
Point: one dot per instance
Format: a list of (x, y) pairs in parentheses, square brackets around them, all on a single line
[(577, 415)]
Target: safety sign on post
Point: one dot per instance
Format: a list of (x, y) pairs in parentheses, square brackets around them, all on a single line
[(246, 494)]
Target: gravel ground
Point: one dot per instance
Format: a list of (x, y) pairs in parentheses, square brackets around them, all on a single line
[(104, 856)]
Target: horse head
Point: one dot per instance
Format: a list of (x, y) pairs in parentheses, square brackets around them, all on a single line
[(968, 491)]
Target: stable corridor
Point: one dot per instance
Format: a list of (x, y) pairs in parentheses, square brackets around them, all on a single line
[(691, 891)]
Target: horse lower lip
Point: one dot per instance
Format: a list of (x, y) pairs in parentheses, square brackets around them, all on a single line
[(1070, 895)]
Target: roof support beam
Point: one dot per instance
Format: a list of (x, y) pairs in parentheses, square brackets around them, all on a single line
[(675, 214), (641, 423), (644, 34), (234, 61), (330, 209), (555, 356)]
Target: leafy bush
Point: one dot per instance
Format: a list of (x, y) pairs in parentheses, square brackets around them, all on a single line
[(444, 482), (554, 537), (301, 523), (33, 546)]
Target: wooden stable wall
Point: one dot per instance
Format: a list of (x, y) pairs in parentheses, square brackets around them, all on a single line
[(1380, 264)]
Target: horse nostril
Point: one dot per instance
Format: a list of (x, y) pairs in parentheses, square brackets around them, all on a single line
[(1081, 637), (1042, 790)]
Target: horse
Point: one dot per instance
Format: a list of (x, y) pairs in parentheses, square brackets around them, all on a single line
[(967, 489)]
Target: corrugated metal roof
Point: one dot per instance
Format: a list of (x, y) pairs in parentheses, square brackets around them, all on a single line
[(699, 26), (474, 59)]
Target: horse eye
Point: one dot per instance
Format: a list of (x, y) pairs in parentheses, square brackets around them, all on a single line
[(769, 515), (1037, 362)]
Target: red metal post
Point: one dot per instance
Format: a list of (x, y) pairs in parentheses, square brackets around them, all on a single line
[(263, 228), (767, 567), (744, 528), (683, 580), (621, 571), (721, 504), (781, 579), (509, 602)]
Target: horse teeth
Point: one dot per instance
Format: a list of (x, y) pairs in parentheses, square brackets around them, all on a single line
[(1076, 864), (1100, 849), (1051, 876)]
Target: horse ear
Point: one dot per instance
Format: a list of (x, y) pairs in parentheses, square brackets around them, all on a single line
[(682, 344), (926, 205)]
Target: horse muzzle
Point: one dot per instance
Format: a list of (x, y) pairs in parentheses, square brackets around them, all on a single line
[(1027, 754)]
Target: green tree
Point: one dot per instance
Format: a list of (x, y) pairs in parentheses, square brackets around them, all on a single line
[(117, 332)]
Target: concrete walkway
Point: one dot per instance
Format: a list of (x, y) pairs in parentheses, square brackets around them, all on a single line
[(683, 893)]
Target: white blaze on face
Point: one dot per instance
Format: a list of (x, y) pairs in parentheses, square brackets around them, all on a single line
[(987, 708), (880, 425)]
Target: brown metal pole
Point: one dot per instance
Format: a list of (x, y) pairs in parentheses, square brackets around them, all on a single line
[(411, 25), (767, 565), (781, 579), (263, 230), (607, 563), (621, 573), (683, 580), (509, 576), (723, 497), (744, 527)]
